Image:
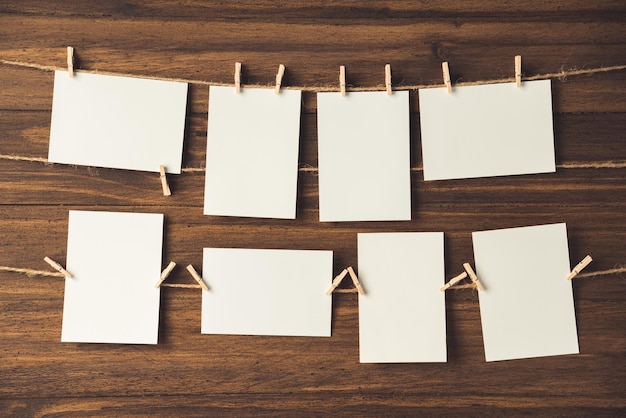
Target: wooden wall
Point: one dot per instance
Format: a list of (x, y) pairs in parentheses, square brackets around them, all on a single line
[(188, 374)]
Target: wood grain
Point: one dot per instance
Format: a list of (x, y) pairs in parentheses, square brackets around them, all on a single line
[(189, 374)]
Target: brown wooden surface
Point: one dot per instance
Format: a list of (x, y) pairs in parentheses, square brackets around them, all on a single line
[(188, 374)]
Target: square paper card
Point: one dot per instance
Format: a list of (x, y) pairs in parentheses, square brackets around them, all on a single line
[(364, 156), (484, 131), (115, 260), (117, 122), (267, 292), (252, 153), (527, 307), (402, 315)]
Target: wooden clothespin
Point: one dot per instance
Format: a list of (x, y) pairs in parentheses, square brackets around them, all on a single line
[(237, 77), (70, 61), (446, 76), (388, 79), (165, 273), (164, 185), (342, 80), (518, 70), (279, 78), (337, 281), (472, 275), (355, 280), (453, 281), (197, 277), (57, 267), (584, 263)]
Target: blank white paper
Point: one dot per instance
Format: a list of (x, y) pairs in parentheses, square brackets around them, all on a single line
[(117, 122), (489, 130), (267, 292), (252, 153), (402, 315), (527, 307), (364, 156), (115, 260)]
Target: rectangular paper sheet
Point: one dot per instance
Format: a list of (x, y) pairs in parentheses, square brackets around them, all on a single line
[(527, 307), (115, 260), (489, 130), (267, 292), (402, 315), (252, 153), (364, 156), (117, 122)]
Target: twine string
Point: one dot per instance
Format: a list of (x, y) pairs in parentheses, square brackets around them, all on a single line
[(32, 273), (561, 75), (306, 168), (181, 286), (617, 270)]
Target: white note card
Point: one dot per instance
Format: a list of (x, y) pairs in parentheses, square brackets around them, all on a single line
[(527, 307), (115, 260), (489, 130), (364, 156), (252, 153), (402, 315), (117, 122), (267, 292)]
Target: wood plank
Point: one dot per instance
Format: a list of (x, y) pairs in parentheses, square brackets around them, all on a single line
[(207, 50), (356, 403), (355, 10)]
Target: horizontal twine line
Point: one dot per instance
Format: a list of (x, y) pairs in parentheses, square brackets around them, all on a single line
[(561, 75), (32, 273), (311, 169), (23, 158), (602, 273), (593, 164), (181, 286)]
